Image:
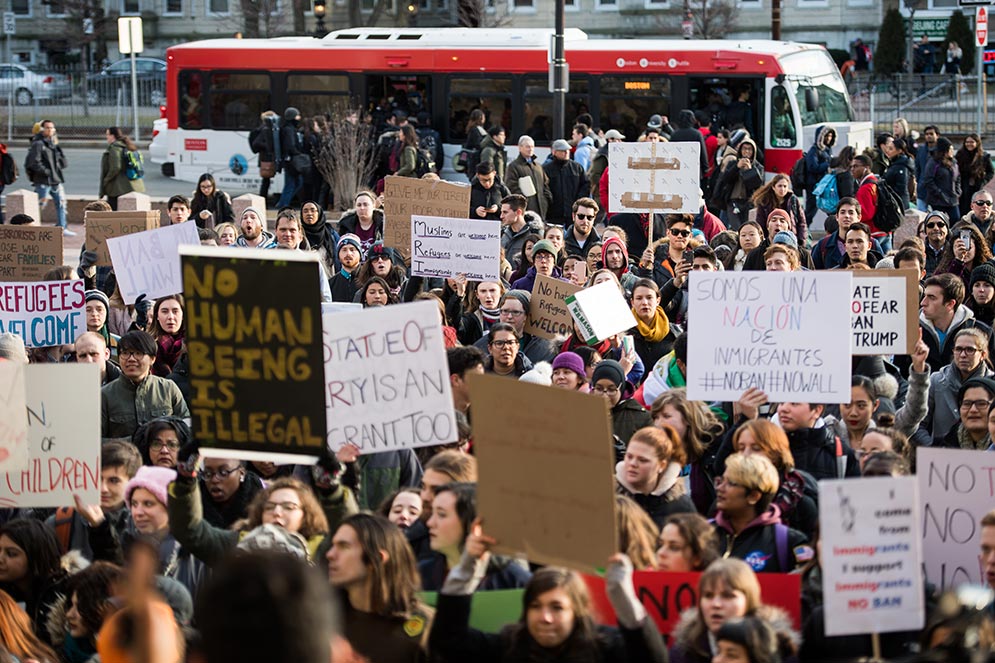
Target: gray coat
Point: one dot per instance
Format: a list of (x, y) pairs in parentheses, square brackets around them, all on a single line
[(943, 410)]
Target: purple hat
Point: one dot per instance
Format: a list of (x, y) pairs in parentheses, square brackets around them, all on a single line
[(572, 361), (154, 479)]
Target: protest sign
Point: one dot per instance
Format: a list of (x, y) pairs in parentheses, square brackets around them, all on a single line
[(600, 311), (44, 313), (443, 247), (102, 225), (387, 378), (871, 555), (490, 611), (28, 252), (666, 594), (955, 490), (13, 417), (884, 314), (147, 263), (549, 316), (787, 334), (63, 414), (404, 197), (564, 517), (254, 343), (654, 177)]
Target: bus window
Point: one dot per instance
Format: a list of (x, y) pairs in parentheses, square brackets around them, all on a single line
[(191, 100), (627, 102), (237, 99), (815, 69), (408, 93), (782, 120), (316, 94), (491, 95), (730, 103), (539, 107)]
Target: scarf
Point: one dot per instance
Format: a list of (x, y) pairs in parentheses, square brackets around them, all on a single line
[(170, 349), (657, 330), (966, 442), (489, 316), (78, 650)]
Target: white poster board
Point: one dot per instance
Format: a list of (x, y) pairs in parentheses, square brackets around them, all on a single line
[(387, 378), (786, 333), (600, 311), (955, 489), (442, 247), (654, 177), (148, 262), (44, 313), (871, 555), (13, 417), (885, 312), (63, 410)]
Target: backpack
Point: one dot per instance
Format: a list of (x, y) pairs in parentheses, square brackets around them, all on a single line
[(799, 175), (827, 195), (133, 165), (63, 527), (8, 169), (889, 215), (423, 162)]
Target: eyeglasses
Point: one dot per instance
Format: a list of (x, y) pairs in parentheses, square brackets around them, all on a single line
[(542, 255), (983, 203), (169, 446), (505, 344), (513, 314), (586, 217), (377, 258), (221, 475), (721, 480), (282, 506), (975, 405), (126, 354), (936, 224), (968, 351), (607, 391), (680, 233)]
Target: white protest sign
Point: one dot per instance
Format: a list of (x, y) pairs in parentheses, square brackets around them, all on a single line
[(442, 247), (884, 314), (339, 307), (148, 262), (13, 417), (654, 177), (600, 311), (63, 410), (43, 313), (387, 378), (785, 333), (871, 555), (956, 490)]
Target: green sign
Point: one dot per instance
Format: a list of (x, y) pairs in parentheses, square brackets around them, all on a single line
[(490, 610), (934, 28)]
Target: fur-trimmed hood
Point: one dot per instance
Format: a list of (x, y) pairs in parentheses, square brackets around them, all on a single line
[(57, 626), (690, 635)]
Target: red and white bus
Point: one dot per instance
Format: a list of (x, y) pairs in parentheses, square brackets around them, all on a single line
[(217, 89)]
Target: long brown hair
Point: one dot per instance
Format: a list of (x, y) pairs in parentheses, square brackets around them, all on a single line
[(772, 440), (637, 534), (18, 637), (314, 524), (703, 425), (982, 252), (547, 579), (157, 330), (765, 196), (734, 574), (972, 163), (119, 135)]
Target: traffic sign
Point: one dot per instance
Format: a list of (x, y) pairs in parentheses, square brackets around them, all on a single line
[(9, 23), (981, 26), (129, 35)]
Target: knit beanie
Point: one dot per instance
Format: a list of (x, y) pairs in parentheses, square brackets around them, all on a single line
[(523, 296), (983, 272), (609, 369), (12, 347), (777, 211), (349, 238), (98, 295), (261, 215), (571, 361), (378, 249), (154, 479), (541, 373), (543, 245), (786, 239)]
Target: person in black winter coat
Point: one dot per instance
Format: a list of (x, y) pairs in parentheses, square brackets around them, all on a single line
[(687, 132), (818, 160), (899, 174), (941, 180), (815, 448), (320, 235), (650, 474), (486, 194), (264, 140), (567, 183), (291, 145), (627, 415), (210, 206)]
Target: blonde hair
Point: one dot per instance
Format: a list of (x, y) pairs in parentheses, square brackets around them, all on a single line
[(637, 533)]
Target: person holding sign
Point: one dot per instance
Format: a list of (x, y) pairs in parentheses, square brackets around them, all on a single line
[(747, 524), (943, 315), (968, 250), (661, 260)]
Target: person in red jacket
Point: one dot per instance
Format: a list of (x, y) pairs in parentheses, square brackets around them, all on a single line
[(867, 196)]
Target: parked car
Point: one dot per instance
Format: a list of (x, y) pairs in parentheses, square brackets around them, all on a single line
[(28, 85), (114, 82)]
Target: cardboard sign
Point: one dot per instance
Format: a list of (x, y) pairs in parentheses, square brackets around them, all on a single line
[(404, 197), (147, 263), (387, 378), (956, 491), (28, 252), (666, 594), (785, 333), (102, 225), (545, 487), (45, 313), (654, 177), (884, 314), (600, 311), (549, 316), (13, 417), (254, 341), (871, 555), (63, 414), (446, 247)]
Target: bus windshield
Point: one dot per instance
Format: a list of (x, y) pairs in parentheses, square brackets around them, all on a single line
[(815, 70)]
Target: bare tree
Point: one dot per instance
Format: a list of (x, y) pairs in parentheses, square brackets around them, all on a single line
[(713, 19), (346, 157)]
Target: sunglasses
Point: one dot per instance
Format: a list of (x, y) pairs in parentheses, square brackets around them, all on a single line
[(983, 203), (586, 217), (680, 233), (936, 224)]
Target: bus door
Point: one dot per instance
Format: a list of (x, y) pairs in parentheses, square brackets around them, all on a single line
[(730, 102), (386, 93)]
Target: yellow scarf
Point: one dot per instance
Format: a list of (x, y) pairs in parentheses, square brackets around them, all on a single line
[(658, 330)]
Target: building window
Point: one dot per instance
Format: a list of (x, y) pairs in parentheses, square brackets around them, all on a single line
[(56, 8), (523, 6), (21, 7), (606, 5), (173, 8), (657, 4), (130, 8), (218, 8)]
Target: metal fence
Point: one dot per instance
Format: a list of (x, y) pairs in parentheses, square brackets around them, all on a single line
[(951, 103), (82, 104)]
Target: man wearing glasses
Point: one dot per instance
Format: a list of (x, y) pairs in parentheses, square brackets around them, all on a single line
[(981, 212), (937, 231), (580, 236), (137, 396), (660, 262), (505, 358)]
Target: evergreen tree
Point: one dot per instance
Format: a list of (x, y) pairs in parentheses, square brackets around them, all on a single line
[(959, 30), (890, 51)]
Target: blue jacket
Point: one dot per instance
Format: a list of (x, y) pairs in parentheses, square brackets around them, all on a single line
[(826, 253), (818, 157)]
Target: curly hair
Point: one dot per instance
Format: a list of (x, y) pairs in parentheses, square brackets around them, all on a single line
[(982, 252), (314, 523), (93, 587), (703, 425)]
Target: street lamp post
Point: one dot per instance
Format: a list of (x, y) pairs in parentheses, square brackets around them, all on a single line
[(319, 15)]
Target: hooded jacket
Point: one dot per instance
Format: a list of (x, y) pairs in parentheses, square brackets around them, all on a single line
[(756, 544), (45, 162), (690, 636), (114, 180), (942, 409), (818, 157), (481, 197), (349, 223), (736, 183), (625, 277), (669, 496), (627, 417), (496, 154), (820, 453), (268, 241), (898, 176), (512, 242)]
